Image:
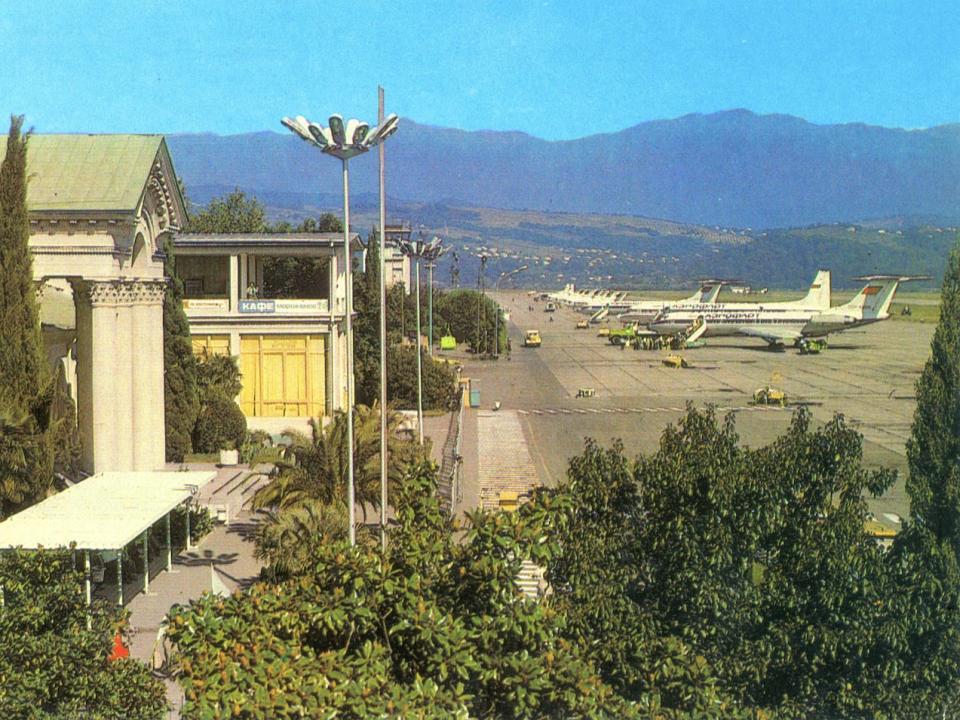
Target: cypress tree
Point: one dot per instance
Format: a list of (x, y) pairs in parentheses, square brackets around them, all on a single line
[(181, 402), (22, 365), (26, 457), (933, 450)]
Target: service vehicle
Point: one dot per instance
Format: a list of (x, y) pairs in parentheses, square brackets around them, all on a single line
[(583, 324), (532, 338), (551, 307)]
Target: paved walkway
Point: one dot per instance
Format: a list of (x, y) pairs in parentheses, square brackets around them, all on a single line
[(504, 461)]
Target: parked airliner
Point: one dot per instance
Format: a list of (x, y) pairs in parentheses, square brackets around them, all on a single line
[(779, 323)]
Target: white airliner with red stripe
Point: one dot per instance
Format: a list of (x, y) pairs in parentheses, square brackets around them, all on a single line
[(780, 323)]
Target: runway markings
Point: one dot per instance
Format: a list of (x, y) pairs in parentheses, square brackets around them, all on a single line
[(641, 410)]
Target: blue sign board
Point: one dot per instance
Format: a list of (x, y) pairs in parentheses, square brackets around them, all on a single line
[(257, 306)]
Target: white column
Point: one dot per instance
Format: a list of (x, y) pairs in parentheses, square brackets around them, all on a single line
[(244, 276), (96, 304), (150, 447), (120, 374), (233, 278), (124, 418)]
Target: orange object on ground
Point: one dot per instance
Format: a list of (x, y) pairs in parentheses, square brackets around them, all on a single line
[(119, 649)]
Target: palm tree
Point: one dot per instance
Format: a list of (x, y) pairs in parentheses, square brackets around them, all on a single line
[(315, 467), (285, 538)]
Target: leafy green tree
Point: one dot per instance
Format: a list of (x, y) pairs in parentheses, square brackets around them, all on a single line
[(51, 665), (366, 328), (23, 370), (25, 476), (181, 402), (217, 376), (434, 628), (709, 577), (235, 213), (470, 317), (933, 450), (438, 381)]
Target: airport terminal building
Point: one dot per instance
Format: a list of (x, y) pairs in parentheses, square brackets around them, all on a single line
[(102, 210)]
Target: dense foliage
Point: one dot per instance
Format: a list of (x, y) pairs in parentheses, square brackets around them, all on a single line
[(26, 452), (51, 665), (217, 376), (439, 382), (933, 450), (435, 628), (221, 425), (470, 317), (312, 482), (181, 402)]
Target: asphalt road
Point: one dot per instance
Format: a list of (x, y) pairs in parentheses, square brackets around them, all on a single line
[(866, 374)]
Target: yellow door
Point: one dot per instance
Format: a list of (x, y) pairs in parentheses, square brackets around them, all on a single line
[(211, 344), (283, 375)]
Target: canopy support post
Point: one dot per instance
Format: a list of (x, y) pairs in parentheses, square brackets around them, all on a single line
[(188, 526), (146, 561), (86, 583), (166, 519), (120, 577)]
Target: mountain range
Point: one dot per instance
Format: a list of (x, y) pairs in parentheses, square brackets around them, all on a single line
[(731, 169)]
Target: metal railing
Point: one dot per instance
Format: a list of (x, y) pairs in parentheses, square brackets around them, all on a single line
[(449, 487)]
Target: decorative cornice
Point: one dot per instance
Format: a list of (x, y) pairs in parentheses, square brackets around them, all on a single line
[(116, 293), (163, 197)]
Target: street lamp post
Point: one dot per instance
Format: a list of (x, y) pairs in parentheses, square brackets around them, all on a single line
[(419, 250), (345, 141), (496, 323)]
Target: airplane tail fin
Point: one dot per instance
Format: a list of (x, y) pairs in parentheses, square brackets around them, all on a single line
[(873, 301), (819, 294)]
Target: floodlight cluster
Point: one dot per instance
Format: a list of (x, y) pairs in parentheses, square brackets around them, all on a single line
[(342, 140), (420, 249)]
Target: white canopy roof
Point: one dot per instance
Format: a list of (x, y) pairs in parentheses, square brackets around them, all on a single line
[(104, 512)]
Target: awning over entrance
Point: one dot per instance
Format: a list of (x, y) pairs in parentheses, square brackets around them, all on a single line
[(104, 512)]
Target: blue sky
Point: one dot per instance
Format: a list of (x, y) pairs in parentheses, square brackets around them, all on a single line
[(557, 70)]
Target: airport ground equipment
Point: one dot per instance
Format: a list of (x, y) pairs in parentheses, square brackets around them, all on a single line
[(532, 339), (551, 307), (812, 346), (448, 342), (769, 396), (603, 332), (583, 324), (676, 361), (585, 392), (599, 315), (509, 500), (621, 336)]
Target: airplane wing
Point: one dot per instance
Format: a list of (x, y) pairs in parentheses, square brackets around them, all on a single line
[(773, 335)]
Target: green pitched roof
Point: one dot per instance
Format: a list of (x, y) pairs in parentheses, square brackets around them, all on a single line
[(88, 172)]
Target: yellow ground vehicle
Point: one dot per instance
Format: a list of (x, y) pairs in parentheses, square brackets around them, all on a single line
[(583, 324), (532, 339), (770, 396), (603, 332), (676, 361)]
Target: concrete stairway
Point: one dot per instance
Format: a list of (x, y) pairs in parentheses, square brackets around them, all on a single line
[(505, 465), (504, 458)]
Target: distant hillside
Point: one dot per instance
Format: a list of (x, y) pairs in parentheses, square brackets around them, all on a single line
[(624, 251), (728, 169)]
